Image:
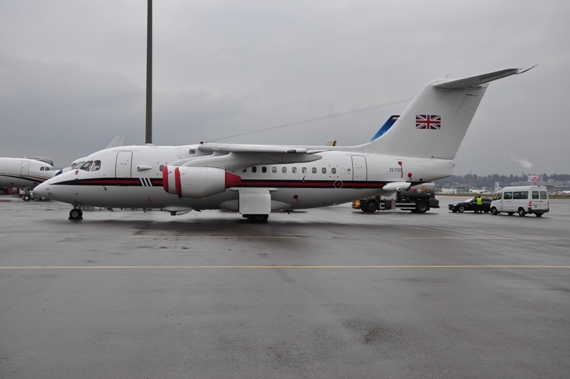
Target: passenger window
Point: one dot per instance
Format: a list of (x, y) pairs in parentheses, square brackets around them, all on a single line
[(294, 170), (42, 168), (274, 169), (508, 195), (254, 169), (314, 170), (535, 194), (96, 166), (543, 195), (333, 170), (161, 167), (264, 169), (304, 170), (284, 170), (324, 170)]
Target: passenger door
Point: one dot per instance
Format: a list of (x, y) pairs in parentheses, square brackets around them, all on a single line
[(24, 168), (124, 164), (507, 203)]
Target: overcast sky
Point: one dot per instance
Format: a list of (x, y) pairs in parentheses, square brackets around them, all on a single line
[(72, 73)]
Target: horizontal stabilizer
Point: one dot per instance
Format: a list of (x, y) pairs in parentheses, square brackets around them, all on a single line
[(477, 80)]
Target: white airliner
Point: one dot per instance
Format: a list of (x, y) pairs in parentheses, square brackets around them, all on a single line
[(24, 173), (258, 179)]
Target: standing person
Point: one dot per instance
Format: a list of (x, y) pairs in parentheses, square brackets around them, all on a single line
[(479, 208)]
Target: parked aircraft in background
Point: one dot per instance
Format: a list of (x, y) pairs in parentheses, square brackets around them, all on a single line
[(24, 173), (258, 179)]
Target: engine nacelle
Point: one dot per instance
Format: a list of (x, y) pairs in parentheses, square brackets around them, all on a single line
[(197, 181)]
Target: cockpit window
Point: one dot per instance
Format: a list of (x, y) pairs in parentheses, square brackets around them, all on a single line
[(86, 166), (96, 165), (77, 164)]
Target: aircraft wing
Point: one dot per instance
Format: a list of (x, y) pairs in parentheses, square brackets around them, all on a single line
[(260, 149), (238, 157)]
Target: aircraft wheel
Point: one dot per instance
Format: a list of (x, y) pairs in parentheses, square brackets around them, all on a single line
[(26, 197), (258, 219), (76, 214)]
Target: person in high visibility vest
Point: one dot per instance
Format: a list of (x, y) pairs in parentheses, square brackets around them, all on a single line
[(479, 204)]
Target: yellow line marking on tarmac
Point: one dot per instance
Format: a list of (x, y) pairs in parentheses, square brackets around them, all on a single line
[(218, 237), (283, 267), (480, 238)]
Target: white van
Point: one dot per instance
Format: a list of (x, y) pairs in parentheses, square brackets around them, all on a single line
[(522, 200)]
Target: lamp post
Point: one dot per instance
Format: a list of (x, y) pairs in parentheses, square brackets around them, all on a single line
[(148, 134)]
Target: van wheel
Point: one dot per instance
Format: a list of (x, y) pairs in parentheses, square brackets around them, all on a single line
[(521, 212), (461, 209), (494, 211), (538, 214)]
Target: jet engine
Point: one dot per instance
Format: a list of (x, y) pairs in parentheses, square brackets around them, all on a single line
[(197, 181)]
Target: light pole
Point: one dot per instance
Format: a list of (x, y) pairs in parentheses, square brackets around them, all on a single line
[(148, 134), (469, 181)]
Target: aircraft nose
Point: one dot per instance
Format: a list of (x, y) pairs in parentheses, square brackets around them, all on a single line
[(42, 190)]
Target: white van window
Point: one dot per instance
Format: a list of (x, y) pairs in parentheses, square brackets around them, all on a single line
[(520, 195), (508, 195), (535, 195), (498, 196), (543, 195)]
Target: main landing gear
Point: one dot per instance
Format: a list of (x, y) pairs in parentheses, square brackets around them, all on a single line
[(257, 219), (76, 214)]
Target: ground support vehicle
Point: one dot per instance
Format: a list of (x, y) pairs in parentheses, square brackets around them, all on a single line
[(418, 199), (521, 200)]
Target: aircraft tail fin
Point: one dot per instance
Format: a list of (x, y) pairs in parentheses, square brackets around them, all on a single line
[(434, 124), (116, 142)]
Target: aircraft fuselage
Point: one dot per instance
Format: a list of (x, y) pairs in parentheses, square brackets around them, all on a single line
[(132, 177)]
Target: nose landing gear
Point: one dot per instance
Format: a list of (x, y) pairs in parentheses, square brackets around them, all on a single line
[(76, 214)]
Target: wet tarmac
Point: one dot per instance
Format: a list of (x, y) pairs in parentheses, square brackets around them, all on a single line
[(326, 293)]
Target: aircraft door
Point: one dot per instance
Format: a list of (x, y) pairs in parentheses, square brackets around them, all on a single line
[(24, 168), (124, 164), (359, 171)]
